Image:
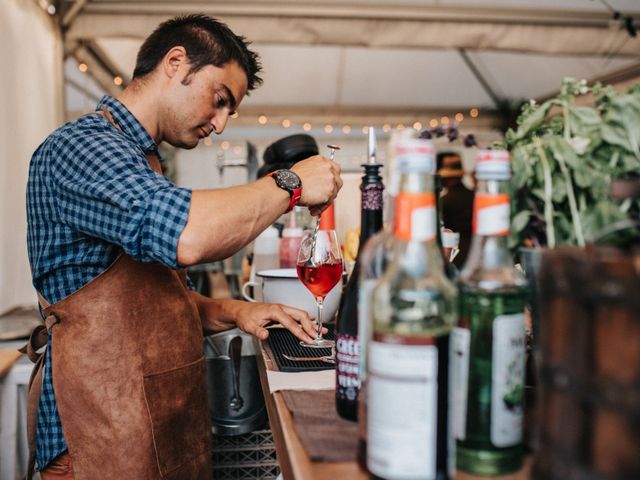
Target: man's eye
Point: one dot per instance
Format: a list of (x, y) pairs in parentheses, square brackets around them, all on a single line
[(221, 102)]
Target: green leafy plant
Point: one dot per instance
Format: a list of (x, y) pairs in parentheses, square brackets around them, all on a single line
[(564, 156)]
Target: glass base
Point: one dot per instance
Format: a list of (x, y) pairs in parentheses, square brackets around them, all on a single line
[(319, 343), (489, 463)]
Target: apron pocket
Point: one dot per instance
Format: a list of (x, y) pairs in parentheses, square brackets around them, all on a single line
[(177, 405)]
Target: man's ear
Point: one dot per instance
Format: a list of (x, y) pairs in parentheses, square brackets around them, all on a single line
[(173, 60)]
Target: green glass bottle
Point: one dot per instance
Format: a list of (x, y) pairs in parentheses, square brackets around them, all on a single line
[(488, 345), (413, 310)]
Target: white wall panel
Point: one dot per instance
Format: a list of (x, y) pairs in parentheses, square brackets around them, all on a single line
[(30, 108)]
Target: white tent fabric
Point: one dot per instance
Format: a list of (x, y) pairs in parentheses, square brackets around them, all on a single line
[(31, 107), (412, 58)]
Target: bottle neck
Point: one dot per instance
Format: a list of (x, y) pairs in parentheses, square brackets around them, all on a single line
[(415, 209), (491, 222), (371, 203)]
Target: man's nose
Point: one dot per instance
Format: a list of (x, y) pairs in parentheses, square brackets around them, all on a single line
[(219, 121)]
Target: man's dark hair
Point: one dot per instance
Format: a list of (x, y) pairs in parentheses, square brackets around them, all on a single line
[(206, 41)]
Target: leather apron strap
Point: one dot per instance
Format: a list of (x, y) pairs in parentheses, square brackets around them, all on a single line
[(35, 349), (153, 160)]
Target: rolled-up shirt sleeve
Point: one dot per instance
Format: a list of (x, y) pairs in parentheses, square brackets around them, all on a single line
[(114, 195)]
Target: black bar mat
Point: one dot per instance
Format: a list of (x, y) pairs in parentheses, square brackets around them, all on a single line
[(282, 341)]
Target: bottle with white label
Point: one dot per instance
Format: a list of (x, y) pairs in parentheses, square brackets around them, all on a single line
[(488, 345), (376, 254), (413, 309)]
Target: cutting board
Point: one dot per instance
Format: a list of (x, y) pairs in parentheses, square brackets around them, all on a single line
[(8, 356)]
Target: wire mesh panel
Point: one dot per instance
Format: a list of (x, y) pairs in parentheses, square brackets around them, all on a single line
[(245, 457)]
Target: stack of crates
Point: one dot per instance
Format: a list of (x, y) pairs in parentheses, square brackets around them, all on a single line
[(251, 456)]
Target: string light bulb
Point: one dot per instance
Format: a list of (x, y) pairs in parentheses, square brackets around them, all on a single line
[(417, 125), (346, 129), (306, 126), (262, 119), (117, 80), (473, 112), (459, 117), (328, 128), (83, 67), (286, 123), (208, 142), (225, 145), (433, 123), (386, 128)]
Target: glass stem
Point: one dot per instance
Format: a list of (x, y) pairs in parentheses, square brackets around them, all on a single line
[(319, 303)]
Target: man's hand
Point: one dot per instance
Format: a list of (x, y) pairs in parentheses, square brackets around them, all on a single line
[(320, 182), (220, 315), (253, 317)]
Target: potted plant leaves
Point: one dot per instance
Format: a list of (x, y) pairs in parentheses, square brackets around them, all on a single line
[(565, 154)]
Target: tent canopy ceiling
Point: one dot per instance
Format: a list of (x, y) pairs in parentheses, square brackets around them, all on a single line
[(324, 58)]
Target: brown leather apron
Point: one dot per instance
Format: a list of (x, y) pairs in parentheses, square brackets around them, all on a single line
[(128, 374)]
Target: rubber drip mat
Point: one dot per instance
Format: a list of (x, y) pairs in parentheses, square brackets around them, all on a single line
[(282, 341)]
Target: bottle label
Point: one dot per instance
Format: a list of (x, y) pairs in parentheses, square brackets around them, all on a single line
[(507, 380), (402, 410), (364, 321), (347, 365), (491, 214), (415, 216), (372, 196), (460, 340)]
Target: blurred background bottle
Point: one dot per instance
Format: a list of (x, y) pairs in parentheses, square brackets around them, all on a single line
[(488, 351), (347, 342), (290, 242), (414, 310)]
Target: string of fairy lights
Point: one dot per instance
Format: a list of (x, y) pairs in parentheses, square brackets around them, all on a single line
[(328, 128), (346, 128)]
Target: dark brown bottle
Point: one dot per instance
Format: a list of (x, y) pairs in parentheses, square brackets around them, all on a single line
[(347, 344)]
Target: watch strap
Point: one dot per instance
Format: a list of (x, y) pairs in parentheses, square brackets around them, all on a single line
[(294, 195)]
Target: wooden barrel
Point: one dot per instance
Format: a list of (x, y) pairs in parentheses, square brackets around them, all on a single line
[(589, 373)]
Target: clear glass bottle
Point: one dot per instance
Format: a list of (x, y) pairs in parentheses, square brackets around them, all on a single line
[(413, 310), (488, 345), (376, 254)]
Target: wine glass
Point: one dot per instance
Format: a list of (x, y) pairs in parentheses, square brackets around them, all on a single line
[(319, 268)]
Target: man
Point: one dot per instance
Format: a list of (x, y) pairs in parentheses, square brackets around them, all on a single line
[(123, 392), (456, 202)]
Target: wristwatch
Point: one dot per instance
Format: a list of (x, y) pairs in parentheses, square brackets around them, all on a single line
[(289, 181)]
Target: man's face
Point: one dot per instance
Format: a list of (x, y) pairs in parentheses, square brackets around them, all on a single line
[(200, 103)]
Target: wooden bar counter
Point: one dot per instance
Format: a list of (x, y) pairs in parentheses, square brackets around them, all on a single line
[(292, 456)]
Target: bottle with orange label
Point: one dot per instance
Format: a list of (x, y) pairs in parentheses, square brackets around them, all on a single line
[(414, 309), (488, 345)]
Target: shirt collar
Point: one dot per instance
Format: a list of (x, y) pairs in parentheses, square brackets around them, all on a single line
[(129, 124)]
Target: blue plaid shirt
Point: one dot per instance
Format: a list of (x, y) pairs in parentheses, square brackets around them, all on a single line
[(91, 194)]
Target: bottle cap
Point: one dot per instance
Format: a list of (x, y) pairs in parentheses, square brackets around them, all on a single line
[(493, 165), (327, 219), (415, 155)]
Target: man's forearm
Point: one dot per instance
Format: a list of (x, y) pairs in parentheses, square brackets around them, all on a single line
[(215, 315), (223, 221)]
